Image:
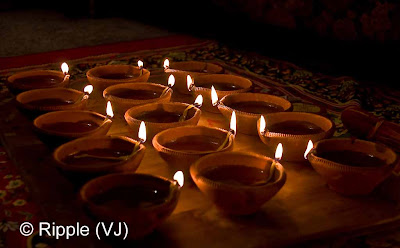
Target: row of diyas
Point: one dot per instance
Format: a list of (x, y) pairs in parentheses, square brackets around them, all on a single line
[(203, 146)]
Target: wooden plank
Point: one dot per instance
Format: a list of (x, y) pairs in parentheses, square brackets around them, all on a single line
[(304, 209)]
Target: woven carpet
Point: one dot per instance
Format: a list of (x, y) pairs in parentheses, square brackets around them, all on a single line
[(308, 91)]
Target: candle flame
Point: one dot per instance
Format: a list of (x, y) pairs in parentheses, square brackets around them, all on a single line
[(263, 125), (214, 96), (109, 110), (171, 81), (64, 68), (142, 132), (166, 64), (140, 64), (310, 146), (189, 82), (279, 152), (179, 178), (233, 122), (199, 101), (88, 89)]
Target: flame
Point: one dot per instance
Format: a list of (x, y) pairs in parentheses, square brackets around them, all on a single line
[(140, 64), (166, 64), (279, 152), (88, 89), (233, 122), (171, 81), (189, 82), (310, 146), (199, 101), (64, 68), (263, 125), (179, 178), (214, 96), (142, 132), (109, 110)]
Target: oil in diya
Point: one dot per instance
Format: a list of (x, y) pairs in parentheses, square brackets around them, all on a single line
[(256, 107), (123, 75)]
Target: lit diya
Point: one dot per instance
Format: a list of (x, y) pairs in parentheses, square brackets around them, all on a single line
[(250, 106), (38, 79), (195, 68), (161, 116), (125, 96), (141, 201), (182, 146), (352, 167), (214, 86), (101, 154), (46, 100), (239, 183), (59, 127), (294, 130), (103, 76)]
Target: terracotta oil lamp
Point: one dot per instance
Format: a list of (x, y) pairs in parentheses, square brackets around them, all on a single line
[(195, 68), (238, 183), (182, 146), (293, 130), (161, 116), (250, 106), (216, 86), (58, 127), (352, 167), (125, 96), (38, 79), (141, 201), (101, 154), (104, 76), (36, 102)]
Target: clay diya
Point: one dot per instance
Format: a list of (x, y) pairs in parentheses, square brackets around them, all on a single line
[(35, 102), (182, 146), (141, 201), (238, 183), (293, 130), (125, 96), (194, 68), (103, 76), (100, 155), (352, 167), (38, 79), (250, 106), (58, 127), (162, 116), (216, 86)]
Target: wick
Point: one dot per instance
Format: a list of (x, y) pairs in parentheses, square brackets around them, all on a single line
[(165, 91), (228, 134), (184, 114), (137, 145)]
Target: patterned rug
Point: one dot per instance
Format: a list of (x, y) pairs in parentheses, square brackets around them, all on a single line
[(308, 91)]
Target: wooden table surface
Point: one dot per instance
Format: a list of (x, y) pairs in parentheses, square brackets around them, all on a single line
[(304, 209)]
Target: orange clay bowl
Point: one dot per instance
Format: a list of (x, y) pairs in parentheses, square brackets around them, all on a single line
[(58, 79), (103, 146), (239, 84), (55, 137), (182, 146), (141, 201), (352, 180), (133, 117), (102, 76), (180, 70), (25, 100), (247, 121), (121, 103), (237, 184), (294, 145)]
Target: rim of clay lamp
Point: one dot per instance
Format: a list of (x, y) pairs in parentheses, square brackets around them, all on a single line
[(10, 80), (93, 73)]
